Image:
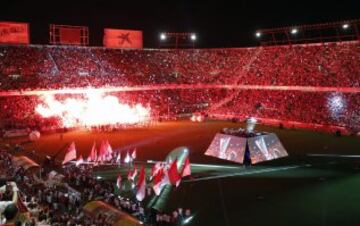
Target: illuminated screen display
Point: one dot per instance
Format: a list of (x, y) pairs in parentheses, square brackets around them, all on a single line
[(227, 147)]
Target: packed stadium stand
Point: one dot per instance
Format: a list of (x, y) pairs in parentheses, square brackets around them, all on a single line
[(175, 82)]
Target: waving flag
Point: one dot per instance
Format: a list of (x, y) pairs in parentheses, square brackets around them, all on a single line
[(93, 154), (127, 158), (141, 185), (186, 169), (133, 154), (118, 158), (132, 174), (70, 153), (155, 169), (173, 173), (79, 160), (157, 183), (118, 181)]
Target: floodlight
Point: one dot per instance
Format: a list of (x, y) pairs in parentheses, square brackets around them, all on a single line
[(345, 26), (258, 34), (294, 31), (162, 36), (193, 37)]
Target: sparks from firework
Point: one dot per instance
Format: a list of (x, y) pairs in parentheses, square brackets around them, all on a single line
[(94, 109)]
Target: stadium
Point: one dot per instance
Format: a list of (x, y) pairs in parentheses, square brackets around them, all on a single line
[(127, 133)]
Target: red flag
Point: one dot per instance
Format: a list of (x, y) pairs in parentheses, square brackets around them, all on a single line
[(70, 153), (127, 158), (157, 183), (155, 169), (93, 154), (141, 185), (173, 173), (79, 160), (102, 151), (132, 174), (118, 181), (186, 169), (133, 154)]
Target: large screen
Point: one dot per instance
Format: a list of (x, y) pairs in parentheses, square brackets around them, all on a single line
[(116, 38), (14, 33), (70, 35), (227, 147), (265, 147)]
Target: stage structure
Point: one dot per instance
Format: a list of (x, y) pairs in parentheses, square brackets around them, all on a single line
[(246, 146), (69, 35)]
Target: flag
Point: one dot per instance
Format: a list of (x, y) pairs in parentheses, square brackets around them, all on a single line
[(79, 160), (102, 151), (186, 169), (108, 150), (93, 154), (157, 183), (132, 174), (127, 158), (70, 153), (118, 181), (155, 169), (133, 154), (141, 185), (118, 158), (173, 173)]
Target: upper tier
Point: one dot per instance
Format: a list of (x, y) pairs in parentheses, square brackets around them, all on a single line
[(53, 67)]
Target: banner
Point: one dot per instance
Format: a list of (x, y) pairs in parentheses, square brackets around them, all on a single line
[(69, 35), (127, 39), (14, 33)]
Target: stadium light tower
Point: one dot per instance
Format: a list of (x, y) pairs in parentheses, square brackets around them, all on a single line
[(345, 26), (176, 40), (258, 34)]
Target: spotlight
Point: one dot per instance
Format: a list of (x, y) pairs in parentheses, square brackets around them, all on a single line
[(258, 34), (162, 36), (345, 26), (294, 31), (193, 37)]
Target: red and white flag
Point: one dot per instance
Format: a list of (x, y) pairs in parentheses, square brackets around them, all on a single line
[(79, 160), (141, 185), (133, 154), (186, 169), (118, 158), (132, 174), (108, 150), (155, 169), (118, 181), (157, 183), (174, 176), (70, 153), (93, 154), (127, 158)]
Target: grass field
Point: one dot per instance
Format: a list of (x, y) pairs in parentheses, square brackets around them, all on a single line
[(297, 190)]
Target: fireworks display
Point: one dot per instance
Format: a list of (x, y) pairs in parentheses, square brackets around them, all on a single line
[(94, 109)]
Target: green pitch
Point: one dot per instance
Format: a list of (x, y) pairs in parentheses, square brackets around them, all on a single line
[(298, 190)]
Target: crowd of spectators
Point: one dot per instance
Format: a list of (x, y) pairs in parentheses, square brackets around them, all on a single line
[(55, 204), (315, 65)]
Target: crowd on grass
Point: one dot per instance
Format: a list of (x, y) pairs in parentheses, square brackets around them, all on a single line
[(56, 204)]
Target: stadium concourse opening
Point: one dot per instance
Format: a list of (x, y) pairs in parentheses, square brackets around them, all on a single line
[(118, 135)]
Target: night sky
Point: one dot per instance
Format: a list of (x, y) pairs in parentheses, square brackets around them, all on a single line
[(217, 23)]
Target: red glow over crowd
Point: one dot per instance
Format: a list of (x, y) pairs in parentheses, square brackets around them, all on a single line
[(315, 65)]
